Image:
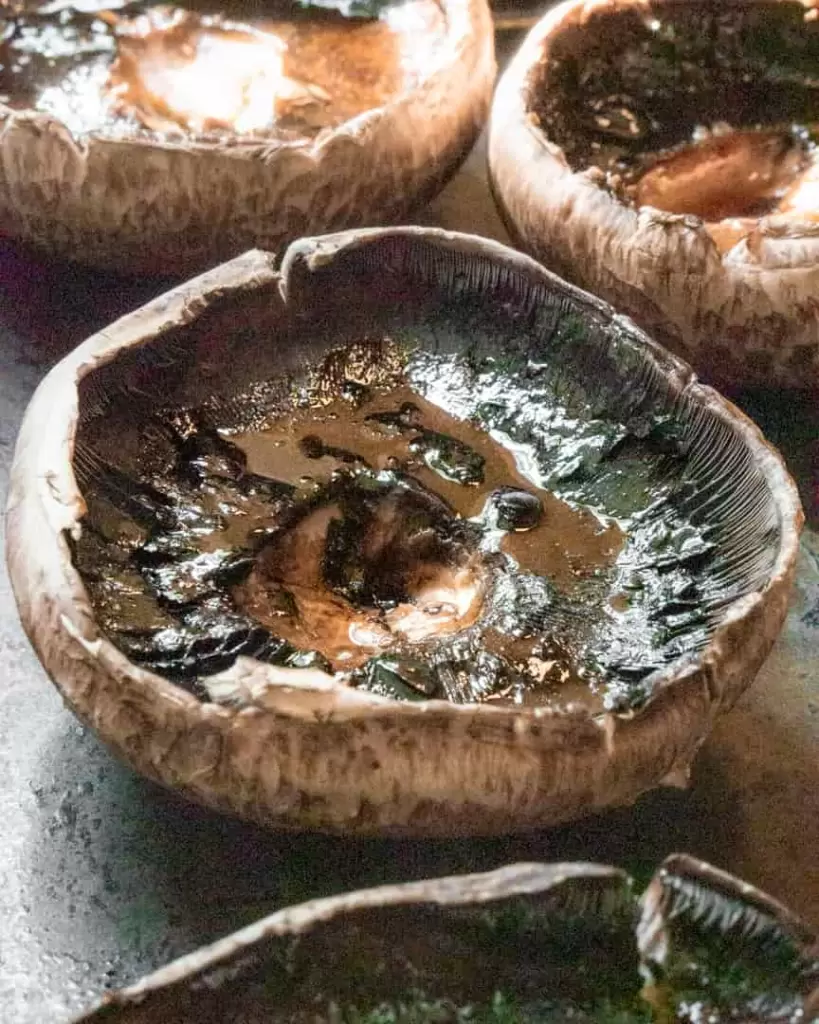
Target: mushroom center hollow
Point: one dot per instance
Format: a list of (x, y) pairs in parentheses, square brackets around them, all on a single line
[(170, 69), (375, 564), (731, 179), (735, 174), (690, 108)]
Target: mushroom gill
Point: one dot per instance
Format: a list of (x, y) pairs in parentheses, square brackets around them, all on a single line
[(622, 537)]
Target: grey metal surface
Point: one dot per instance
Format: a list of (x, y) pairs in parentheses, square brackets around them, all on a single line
[(104, 877)]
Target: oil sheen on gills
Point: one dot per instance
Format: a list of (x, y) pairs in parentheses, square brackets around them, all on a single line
[(373, 537), (175, 71)]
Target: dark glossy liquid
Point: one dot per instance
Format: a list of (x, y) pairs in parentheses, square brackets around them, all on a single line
[(445, 598), (387, 518), (391, 539)]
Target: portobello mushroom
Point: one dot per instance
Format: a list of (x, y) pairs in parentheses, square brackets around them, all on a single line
[(545, 943), (663, 155), (163, 139), (406, 536)]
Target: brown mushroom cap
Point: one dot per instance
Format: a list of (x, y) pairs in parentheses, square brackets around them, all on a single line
[(559, 934), (146, 205), (746, 317), (346, 760)]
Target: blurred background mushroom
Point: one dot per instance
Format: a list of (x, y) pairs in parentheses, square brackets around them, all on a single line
[(527, 943), (160, 140)]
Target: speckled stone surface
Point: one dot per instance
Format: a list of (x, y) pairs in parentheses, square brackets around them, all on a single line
[(104, 877)]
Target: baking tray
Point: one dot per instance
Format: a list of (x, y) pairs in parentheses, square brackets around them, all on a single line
[(104, 877)]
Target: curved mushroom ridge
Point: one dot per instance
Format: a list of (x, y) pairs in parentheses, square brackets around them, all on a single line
[(184, 71), (691, 110), (591, 413), (526, 944)]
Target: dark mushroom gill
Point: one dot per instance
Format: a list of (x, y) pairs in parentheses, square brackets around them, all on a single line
[(527, 944), (691, 107), (209, 70), (645, 514)]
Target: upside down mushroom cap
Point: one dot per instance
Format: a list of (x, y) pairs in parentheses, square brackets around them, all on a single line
[(742, 317), (562, 935), (323, 755), (143, 203)]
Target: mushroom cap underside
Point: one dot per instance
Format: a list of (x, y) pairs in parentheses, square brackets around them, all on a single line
[(332, 757), (529, 941), (745, 316)]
